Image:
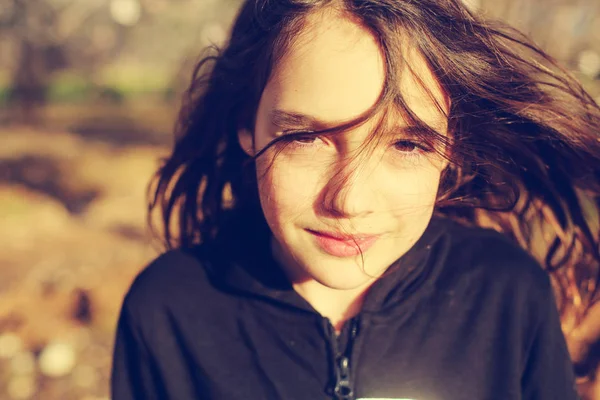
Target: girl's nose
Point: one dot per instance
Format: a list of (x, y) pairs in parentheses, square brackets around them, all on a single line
[(349, 193)]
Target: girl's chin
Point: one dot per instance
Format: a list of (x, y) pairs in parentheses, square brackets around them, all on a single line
[(336, 273), (343, 283)]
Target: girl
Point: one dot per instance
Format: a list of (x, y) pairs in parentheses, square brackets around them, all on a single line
[(328, 206)]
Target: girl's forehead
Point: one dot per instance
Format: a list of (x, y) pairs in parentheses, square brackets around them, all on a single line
[(333, 67), (335, 71)]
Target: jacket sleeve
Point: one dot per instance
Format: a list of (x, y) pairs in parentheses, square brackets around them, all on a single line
[(548, 372), (133, 374)]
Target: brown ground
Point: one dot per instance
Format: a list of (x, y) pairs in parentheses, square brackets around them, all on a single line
[(73, 236)]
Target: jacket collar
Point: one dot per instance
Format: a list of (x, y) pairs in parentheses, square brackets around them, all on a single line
[(248, 268)]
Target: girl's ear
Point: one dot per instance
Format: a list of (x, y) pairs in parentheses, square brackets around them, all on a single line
[(246, 140)]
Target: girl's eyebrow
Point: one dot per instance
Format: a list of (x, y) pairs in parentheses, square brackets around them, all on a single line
[(289, 119)]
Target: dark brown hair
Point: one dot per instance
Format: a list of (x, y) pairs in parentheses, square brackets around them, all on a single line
[(525, 146)]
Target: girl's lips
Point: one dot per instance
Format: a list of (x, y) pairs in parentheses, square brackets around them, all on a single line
[(343, 246)]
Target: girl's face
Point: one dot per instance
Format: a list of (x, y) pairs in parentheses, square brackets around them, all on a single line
[(319, 193)]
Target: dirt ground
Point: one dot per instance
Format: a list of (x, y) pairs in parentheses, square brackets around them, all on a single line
[(73, 235)]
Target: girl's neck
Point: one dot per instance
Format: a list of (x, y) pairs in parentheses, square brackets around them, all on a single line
[(334, 304)]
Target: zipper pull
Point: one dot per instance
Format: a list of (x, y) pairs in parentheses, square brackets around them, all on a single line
[(353, 330), (343, 389)]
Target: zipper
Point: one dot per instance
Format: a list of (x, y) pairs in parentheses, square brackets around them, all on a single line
[(343, 387)]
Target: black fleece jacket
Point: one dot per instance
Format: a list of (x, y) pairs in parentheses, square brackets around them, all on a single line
[(464, 315)]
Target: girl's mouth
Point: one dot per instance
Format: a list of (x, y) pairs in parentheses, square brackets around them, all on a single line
[(339, 245)]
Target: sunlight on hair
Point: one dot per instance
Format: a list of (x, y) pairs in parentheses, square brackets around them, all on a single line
[(472, 5)]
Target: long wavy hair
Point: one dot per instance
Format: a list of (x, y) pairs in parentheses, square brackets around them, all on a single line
[(525, 136)]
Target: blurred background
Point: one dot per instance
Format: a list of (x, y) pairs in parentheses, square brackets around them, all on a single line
[(89, 92)]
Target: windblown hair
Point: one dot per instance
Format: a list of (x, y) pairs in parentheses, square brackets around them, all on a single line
[(525, 137)]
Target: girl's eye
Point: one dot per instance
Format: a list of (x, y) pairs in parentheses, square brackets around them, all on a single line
[(300, 140), (306, 139), (407, 146), (410, 151)]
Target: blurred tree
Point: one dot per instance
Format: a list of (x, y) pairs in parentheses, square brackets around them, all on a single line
[(50, 35)]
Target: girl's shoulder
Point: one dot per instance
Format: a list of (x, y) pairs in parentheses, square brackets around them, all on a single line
[(482, 247), (489, 261), (175, 279)]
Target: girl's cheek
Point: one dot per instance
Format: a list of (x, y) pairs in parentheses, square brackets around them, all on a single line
[(416, 190), (287, 189)]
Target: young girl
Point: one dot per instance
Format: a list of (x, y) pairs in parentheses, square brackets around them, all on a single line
[(328, 206)]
